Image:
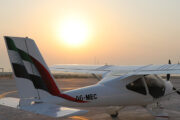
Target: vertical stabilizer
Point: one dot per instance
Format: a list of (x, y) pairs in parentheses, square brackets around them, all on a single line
[(30, 70)]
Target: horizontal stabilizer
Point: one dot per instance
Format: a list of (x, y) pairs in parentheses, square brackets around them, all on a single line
[(42, 108)]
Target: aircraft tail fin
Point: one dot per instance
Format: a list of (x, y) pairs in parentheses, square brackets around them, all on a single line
[(30, 70)]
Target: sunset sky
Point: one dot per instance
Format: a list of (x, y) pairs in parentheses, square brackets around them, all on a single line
[(118, 32)]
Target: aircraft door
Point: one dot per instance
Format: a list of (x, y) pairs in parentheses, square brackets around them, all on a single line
[(156, 86), (139, 86)]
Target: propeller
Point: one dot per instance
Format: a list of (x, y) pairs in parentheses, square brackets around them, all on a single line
[(168, 75), (178, 92)]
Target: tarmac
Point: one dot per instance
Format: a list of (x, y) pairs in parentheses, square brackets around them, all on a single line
[(8, 89)]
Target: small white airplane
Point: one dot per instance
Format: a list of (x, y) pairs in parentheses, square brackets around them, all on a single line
[(120, 86)]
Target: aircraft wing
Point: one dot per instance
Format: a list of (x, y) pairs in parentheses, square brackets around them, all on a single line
[(119, 70), (92, 69), (47, 109), (153, 69), (89, 69), (116, 75)]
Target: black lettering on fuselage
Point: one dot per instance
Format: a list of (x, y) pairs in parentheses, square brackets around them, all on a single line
[(87, 97)]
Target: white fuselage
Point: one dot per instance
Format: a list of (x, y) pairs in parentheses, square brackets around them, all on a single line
[(116, 92)]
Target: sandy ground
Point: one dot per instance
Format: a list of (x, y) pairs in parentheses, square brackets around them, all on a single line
[(7, 88)]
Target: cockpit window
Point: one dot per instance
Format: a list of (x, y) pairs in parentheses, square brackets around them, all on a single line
[(137, 86), (155, 85)]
